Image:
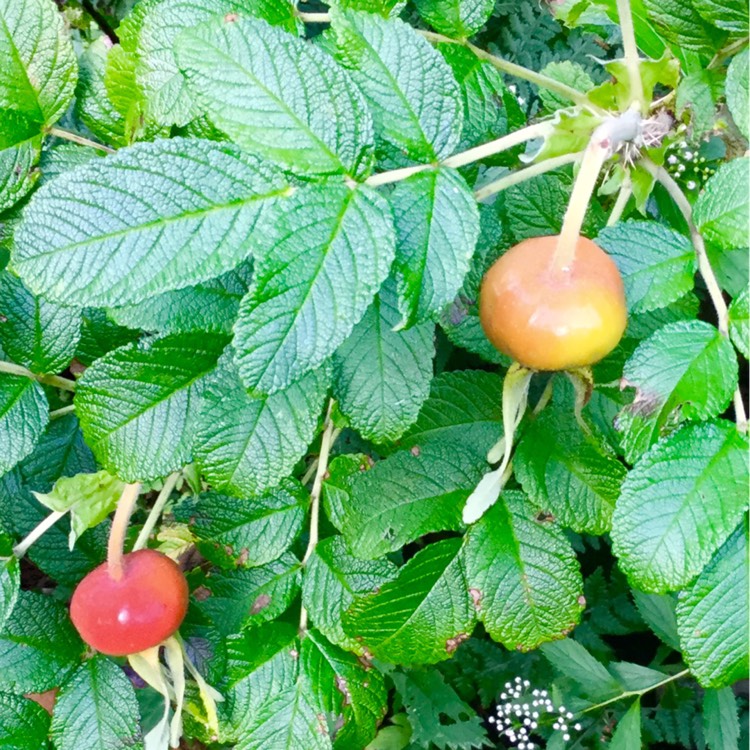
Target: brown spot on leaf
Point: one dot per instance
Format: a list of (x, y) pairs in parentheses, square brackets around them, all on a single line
[(476, 597), (453, 643), (260, 604), (202, 593), (365, 659), (545, 517), (581, 601), (230, 17), (343, 688), (415, 451), (294, 653), (243, 557)]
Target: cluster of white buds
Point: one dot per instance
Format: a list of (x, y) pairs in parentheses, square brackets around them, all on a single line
[(522, 710), (685, 161)]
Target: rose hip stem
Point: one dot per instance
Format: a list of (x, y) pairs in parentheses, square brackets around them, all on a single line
[(116, 544)]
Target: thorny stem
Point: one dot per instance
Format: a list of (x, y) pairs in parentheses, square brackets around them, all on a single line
[(633, 693), (626, 190), (521, 175), (161, 500), (116, 544), (704, 267), (79, 139), (315, 493), (539, 130), (604, 141), (41, 528), (632, 62), (54, 380)]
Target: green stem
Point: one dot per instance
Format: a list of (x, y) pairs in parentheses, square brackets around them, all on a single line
[(315, 493), (539, 130), (54, 380), (704, 267), (637, 693), (521, 175), (57, 413), (161, 500), (632, 61), (79, 139), (626, 190), (41, 528), (313, 17), (731, 49)]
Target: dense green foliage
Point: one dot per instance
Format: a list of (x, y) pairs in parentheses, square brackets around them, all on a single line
[(241, 247)]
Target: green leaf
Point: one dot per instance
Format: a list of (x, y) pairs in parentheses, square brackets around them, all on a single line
[(568, 473), (738, 92), (322, 261), (410, 494), (456, 18), (712, 616), (347, 690), (274, 703), (24, 724), (657, 264), (658, 611), (20, 146), (10, 583), (159, 24), (120, 229), (722, 211), (123, 91), (698, 93), (36, 333), (93, 105), (482, 91), (463, 407), (381, 375), (23, 417), (333, 578), (39, 73), (536, 207), (739, 323), (89, 498), (627, 734), (571, 659), (246, 533), (100, 335), (97, 709), (245, 444), (414, 98), (38, 645), (523, 574), (571, 74), (243, 597), (277, 96), (139, 405), (421, 617), (686, 370), (729, 15), (211, 306), (437, 715), (437, 225), (678, 21), (679, 503), (721, 727)]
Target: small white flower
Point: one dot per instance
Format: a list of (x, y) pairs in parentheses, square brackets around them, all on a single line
[(566, 737), (691, 185), (577, 727)]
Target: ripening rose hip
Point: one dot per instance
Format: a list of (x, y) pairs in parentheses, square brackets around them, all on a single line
[(548, 318), (142, 609)]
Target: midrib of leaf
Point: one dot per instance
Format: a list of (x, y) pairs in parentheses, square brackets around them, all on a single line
[(152, 404), (163, 222), (264, 514), (312, 281), (399, 93), (421, 604), (17, 57), (18, 395), (687, 496), (304, 126), (38, 331), (575, 470)]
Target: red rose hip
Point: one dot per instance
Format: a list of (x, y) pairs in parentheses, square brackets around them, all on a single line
[(140, 610)]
